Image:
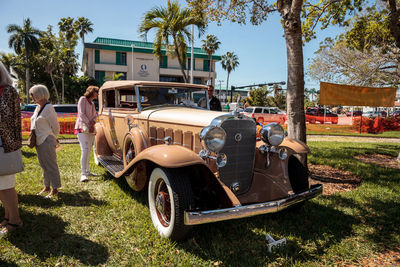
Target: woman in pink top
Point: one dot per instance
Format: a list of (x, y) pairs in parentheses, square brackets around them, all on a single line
[(84, 128)]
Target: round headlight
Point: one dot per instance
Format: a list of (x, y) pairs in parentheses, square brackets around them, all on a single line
[(213, 138), (272, 134)]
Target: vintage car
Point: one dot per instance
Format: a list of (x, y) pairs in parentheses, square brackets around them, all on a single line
[(314, 115), (198, 166)]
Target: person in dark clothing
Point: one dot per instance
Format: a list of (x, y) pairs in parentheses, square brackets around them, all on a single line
[(215, 104)]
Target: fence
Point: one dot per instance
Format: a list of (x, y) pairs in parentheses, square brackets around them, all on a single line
[(65, 120)]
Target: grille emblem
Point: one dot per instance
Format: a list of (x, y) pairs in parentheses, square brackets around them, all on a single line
[(238, 137)]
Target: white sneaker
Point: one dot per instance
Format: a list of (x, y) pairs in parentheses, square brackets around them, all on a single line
[(91, 174), (84, 178)]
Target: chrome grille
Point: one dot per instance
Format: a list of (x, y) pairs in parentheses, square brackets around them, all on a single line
[(240, 154)]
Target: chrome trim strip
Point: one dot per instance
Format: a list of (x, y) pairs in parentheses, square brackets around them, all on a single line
[(201, 217)]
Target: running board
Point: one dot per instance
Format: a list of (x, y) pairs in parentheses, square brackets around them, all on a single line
[(112, 163)]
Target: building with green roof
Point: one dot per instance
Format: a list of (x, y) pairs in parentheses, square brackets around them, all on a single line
[(135, 60)]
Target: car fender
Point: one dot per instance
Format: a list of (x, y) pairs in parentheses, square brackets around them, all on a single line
[(101, 144), (168, 156), (138, 139)]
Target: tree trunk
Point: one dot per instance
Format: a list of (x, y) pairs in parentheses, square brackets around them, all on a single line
[(398, 156), (54, 86), (27, 77), (227, 86), (209, 68), (290, 11), (180, 60), (62, 87)]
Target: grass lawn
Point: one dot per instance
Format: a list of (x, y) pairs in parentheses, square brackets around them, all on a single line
[(104, 222)]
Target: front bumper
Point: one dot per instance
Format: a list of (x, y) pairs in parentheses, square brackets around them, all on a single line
[(201, 217)]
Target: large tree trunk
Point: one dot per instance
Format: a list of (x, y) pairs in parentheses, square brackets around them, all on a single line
[(180, 60), (54, 86), (290, 11), (62, 88)]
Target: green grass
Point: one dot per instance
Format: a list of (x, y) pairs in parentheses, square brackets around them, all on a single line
[(104, 222), (61, 136)]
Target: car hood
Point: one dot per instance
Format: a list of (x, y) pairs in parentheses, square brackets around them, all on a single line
[(182, 115)]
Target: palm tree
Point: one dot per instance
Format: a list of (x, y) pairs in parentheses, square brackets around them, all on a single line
[(67, 26), (229, 63), (172, 22), (24, 40), (83, 26), (210, 45)]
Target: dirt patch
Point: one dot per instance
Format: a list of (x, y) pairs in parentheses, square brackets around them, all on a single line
[(333, 180), (387, 258), (381, 160)]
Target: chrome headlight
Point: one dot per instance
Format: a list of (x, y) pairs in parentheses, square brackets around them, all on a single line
[(272, 134), (213, 138)]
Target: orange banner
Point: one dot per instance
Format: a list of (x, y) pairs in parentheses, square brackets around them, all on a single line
[(350, 95)]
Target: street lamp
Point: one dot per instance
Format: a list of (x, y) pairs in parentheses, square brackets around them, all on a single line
[(133, 46)]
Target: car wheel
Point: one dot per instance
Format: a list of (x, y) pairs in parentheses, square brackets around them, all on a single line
[(169, 194), (95, 158)]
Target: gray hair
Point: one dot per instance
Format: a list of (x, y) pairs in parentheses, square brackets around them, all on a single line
[(39, 92), (5, 78)]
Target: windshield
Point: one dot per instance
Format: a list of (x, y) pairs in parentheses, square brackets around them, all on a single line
[(156, 96)]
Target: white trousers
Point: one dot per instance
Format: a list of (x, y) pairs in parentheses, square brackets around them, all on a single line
[(86, 142)]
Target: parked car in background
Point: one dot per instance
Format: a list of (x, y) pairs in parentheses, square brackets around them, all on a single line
[(314, 115), (374, 114), (265, 115), (65, 109), (356, 113), (28, 110), (396, 113), (198, 166)]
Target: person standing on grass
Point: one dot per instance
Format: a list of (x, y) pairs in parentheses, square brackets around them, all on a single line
[(10, 143), (84, 128), (44, 122)]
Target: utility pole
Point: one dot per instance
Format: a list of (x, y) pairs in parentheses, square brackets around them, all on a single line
[(191, 56), (219, 91)]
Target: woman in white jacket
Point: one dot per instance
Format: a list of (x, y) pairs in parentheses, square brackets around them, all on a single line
[(44, 122)]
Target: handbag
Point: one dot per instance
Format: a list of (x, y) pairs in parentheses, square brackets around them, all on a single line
[(32, 139), (10, 163)]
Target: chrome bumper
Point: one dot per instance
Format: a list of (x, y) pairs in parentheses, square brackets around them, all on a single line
[(201, 217)]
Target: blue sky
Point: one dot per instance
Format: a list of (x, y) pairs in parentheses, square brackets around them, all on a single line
[(261, 49)]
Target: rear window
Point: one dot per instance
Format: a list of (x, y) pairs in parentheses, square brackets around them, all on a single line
[(248, 110)]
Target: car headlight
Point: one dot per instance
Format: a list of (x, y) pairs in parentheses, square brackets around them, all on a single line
[(213, 138), (272, 134)]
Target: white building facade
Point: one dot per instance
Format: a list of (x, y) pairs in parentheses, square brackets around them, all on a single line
[(135, 61)]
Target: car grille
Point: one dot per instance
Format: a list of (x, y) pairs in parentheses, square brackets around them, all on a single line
[(240, 153)]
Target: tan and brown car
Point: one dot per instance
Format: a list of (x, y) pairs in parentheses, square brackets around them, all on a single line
[(199, 166)]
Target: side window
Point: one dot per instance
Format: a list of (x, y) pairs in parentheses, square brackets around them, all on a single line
[(109, 99), (258, 110), (266, 111), (273, 111)]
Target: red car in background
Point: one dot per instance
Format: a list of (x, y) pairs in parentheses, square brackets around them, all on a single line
[(314, 115)]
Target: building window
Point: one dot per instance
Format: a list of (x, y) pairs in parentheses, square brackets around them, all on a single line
[(194, 63), (176, 79), (120, 58), (206, 65), (99, 76), (164, 62), (97, 56)]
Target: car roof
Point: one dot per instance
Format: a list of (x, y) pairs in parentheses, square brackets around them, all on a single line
[(129, 84)]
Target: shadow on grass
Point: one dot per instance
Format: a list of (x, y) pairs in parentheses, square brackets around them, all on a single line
[(7, 263), (44, 236), (79, 199), (242, 243), (28, 154), (140, 197)]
